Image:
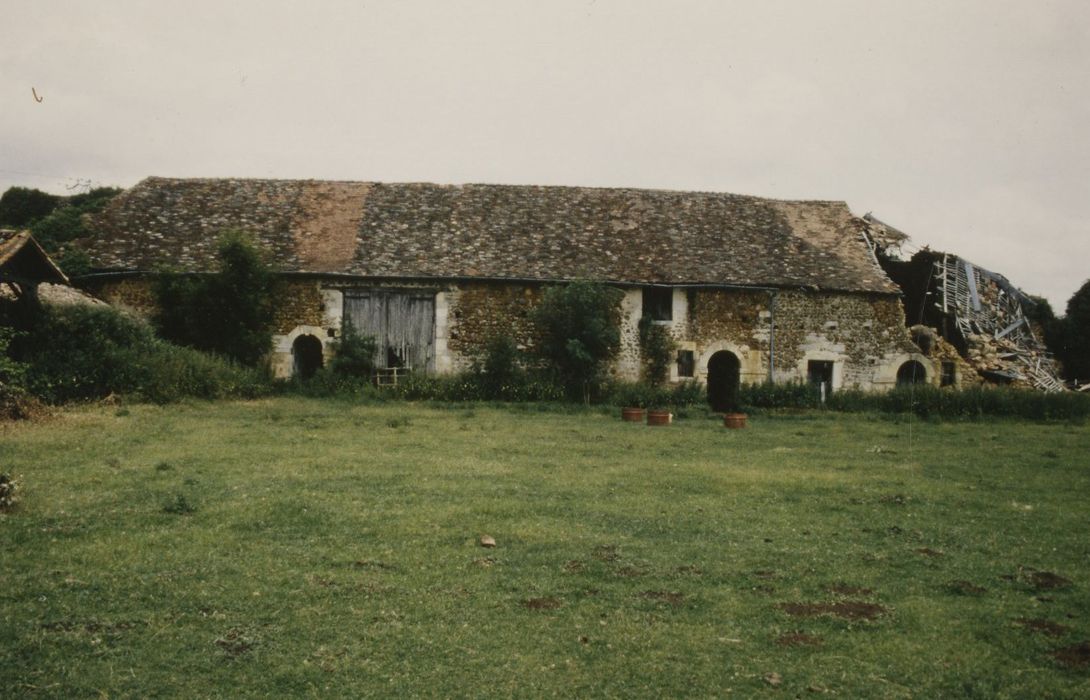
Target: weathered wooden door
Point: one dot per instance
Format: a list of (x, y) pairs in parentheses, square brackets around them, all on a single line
[(401, 322)]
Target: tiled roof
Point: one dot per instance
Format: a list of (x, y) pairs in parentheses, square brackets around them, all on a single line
[(413, 231)]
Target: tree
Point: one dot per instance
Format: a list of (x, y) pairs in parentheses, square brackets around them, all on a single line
[(229, 313), (20, 206), (1073, 343), (579, 333)]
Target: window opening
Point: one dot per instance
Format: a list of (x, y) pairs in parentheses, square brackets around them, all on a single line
[(658, 303), (685, 363)]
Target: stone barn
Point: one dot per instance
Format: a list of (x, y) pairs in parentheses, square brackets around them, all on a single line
[(751, 289)]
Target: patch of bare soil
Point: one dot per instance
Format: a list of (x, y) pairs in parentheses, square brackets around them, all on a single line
[(846, 609), (606, 552), (689, 569), (631, 571), (1048, 627), (928, 552), (669, 597), (1045, 580), (1074, 656), (484, 562), (235, 643), (545, 603), (848, 590), (963, 587), (798, 639), (574, 566), (764, 573), (897, 499)]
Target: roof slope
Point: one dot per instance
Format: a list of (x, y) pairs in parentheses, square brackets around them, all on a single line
[(491, 231), (22, 260)]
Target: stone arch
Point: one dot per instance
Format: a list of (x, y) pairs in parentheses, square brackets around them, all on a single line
[(306, 351), (724, 379), (911, 372), (887, 374)]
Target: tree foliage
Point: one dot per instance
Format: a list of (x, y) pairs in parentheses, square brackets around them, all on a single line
[(578, 326), (657, 348), (229, 312), (20, 206), (1072, 346)]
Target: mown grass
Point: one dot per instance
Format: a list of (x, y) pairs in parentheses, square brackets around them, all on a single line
[(303, 547)]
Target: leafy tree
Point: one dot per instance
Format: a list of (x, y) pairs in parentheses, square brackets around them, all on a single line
[(656, 350), (228, 313), (1073, 346), (65, 223), (579, 333), (21, 205)]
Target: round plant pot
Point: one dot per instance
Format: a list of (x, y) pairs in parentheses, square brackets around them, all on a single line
[(656, 417), (633, 415), (734, 420)]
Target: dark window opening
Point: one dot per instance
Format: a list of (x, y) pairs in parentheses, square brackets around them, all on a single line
[(307, 356), (685, 363), (949, 373), (820, 372), (911, 372), (658, 303)]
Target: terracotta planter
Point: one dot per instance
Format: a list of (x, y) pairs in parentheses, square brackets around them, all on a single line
[(734, 420), (633, 415), (656, 417)]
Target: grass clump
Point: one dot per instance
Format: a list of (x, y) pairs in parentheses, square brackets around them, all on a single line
[(179, 504)]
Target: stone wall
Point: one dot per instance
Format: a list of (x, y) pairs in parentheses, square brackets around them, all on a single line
[(863, 335)]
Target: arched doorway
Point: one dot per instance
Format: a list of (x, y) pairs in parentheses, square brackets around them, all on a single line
[(307, 356), (911, 372), (723, 377)]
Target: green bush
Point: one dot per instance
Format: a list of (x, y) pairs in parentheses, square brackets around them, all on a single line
[(579, 333), (89, 352), (228, 313), (657, 348), (925, 401), (9, 492), (354, 354)]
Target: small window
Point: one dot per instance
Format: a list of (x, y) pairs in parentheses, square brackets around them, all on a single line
[(685, 363), (820, 372), (949, 373), (658, 303)]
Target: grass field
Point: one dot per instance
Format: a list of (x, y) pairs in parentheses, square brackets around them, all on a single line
[(297, 547)]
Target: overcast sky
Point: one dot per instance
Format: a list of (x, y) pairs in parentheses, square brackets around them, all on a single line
[(965, 123)]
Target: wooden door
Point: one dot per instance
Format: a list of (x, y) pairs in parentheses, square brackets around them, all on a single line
[(401, 322)]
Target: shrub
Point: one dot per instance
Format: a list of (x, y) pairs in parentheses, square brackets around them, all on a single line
[(179, 505), (354, 354), (9, 492), (657, 348), (498, 370), (228, 313), (89, 352), (579, 333)]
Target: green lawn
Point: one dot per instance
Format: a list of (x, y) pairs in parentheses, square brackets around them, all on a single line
[(333, 549)]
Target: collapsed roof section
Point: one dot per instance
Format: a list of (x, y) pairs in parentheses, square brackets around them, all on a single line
[(989, 313), (980, 312)]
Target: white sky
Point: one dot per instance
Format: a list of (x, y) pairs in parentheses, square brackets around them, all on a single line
[(965, 123)]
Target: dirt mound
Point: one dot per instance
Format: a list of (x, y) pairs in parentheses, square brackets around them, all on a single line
[(668, 597), (1037, 624), (963, 587), (1074, 656)]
